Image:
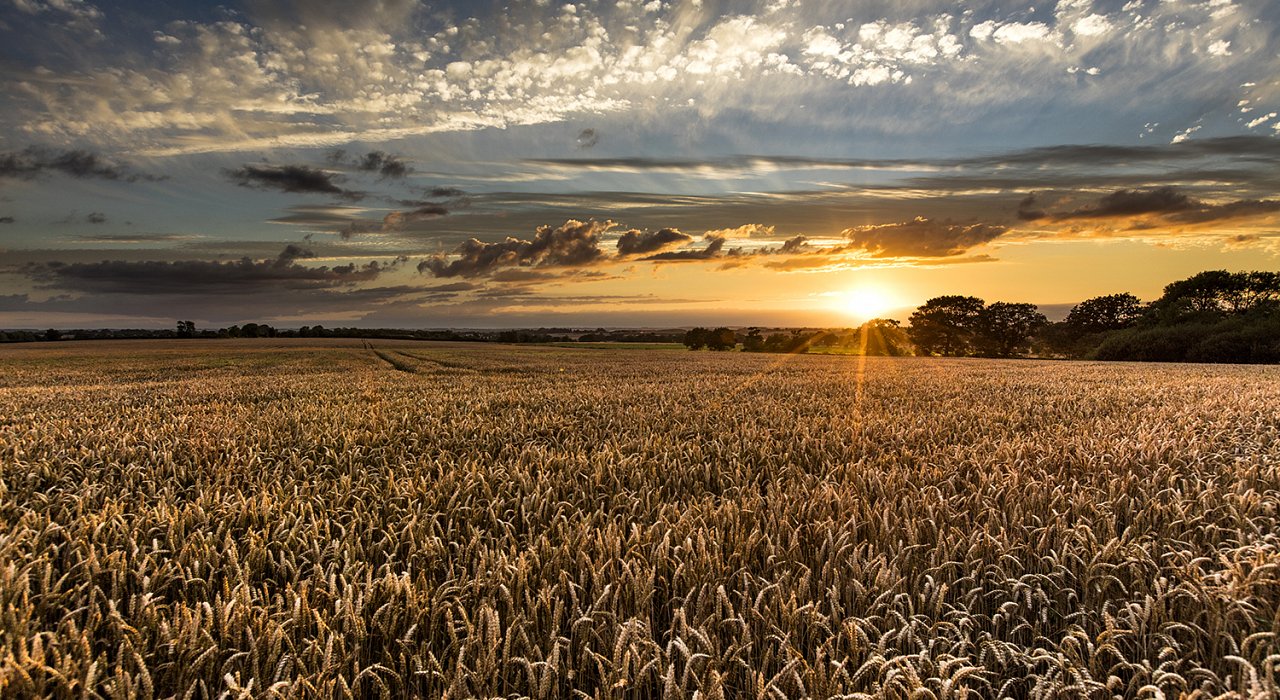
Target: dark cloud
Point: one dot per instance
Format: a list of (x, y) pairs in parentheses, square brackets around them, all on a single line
[(921, 238), (1027, 209), (194, 277), (1248, 147), (1254, 148), (440, 192), (795, 244), (96, 217), (283, 304), (292, 252), (635, 242), (1232, 210), (1167, 205), (1132, 203), (34, 161), (385, 164), (588, 138), (290, 178), (6, 219), (575, 243), (713, 249)]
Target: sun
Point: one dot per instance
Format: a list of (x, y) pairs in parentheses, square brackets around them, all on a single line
[(864, 303)]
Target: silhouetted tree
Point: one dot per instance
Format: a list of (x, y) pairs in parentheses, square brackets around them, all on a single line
[(1215, 294), (794, 342), (753, 341), (721, 339), (882, 336), (696, 338), (945, 325), (53, 334), (1105, 313), (186, 329), (1005, 329)]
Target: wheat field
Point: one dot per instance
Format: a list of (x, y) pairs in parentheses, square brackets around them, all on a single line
[(326, 519)]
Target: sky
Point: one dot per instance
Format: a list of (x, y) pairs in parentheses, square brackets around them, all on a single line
[(401, 163)]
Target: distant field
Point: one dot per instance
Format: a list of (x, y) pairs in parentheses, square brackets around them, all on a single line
[(332, 518), (623, 346)]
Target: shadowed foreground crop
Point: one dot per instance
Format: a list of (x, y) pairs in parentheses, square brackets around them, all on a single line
[(322, 519)]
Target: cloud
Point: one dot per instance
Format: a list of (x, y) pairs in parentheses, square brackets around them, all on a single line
[(200, 277), (572, 244), (635, 242), (6, 219), (1161, 205), (137, 238), (1247, 148), (33, 161), (1241, 209), (388, 166), (795, 244), (324, 215), (745, 231), (292, 252), (588, 138), (282, 73), (1132, 203), (394, 221), (96, 217), (399, 219), (714, 249), (290, 178), (1027, 210), (921, 238), (453, 287)]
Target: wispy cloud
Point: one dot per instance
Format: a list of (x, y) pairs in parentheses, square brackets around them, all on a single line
[(35, 161), (200, 277)]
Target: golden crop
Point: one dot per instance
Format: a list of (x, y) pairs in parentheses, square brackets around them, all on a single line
[(324, 519)]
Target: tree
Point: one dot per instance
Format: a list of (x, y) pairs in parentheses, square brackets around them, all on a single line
[(1215, 294), (882, 336), (1261, 291), (1004, 329), (721, 339), (1105, 313), (53, 334), (696, 338), (945, 325), (186, 329), (753, 341)]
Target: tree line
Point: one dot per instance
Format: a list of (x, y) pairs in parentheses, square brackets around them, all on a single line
[(188, 329), (1214, 316)]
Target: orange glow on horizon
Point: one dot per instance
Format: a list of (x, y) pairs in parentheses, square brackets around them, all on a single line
[(864, 303)]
